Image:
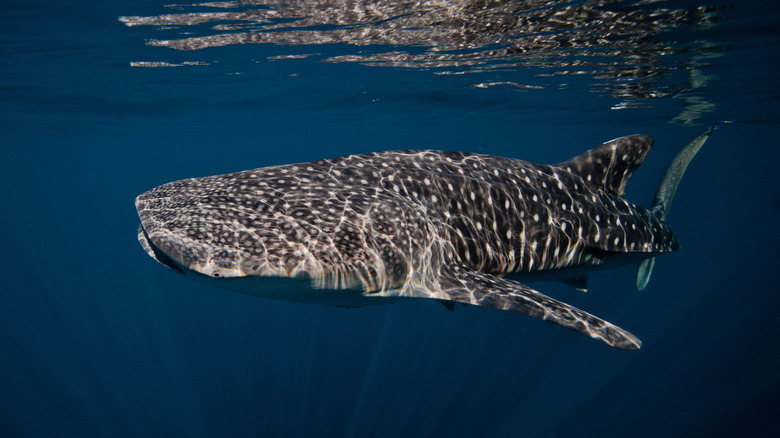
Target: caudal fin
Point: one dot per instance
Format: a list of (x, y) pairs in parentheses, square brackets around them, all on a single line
[(674, 173), (665, 193)]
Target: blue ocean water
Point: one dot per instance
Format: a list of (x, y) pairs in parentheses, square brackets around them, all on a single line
[(101, 101)]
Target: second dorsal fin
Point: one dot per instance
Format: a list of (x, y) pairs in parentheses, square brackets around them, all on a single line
[(610, 165)]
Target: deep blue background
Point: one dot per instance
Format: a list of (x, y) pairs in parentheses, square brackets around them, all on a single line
[(98, 340)]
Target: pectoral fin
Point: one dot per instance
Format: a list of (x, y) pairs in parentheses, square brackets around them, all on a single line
[(465, 285)]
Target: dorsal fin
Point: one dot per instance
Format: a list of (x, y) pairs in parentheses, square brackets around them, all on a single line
[(610, 165)]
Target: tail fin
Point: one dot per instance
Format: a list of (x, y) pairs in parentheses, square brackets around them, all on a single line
[(674, 173), (665, 193), (643, 273)]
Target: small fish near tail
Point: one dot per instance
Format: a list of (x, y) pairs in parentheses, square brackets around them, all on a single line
[(665, 193)]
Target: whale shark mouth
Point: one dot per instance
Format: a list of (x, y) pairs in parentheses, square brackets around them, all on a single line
[(155, 252)]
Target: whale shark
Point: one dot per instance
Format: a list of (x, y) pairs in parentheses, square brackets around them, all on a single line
[(454, 227)]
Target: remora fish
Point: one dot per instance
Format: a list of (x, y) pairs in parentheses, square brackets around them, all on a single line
[(449, 226)]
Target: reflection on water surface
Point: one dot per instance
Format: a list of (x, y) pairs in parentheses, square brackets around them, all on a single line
[(627, 49)]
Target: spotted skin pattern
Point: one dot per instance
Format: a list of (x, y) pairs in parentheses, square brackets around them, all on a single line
[(427, 224)]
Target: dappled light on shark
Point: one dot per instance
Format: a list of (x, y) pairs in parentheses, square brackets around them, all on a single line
[(449, 226)]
